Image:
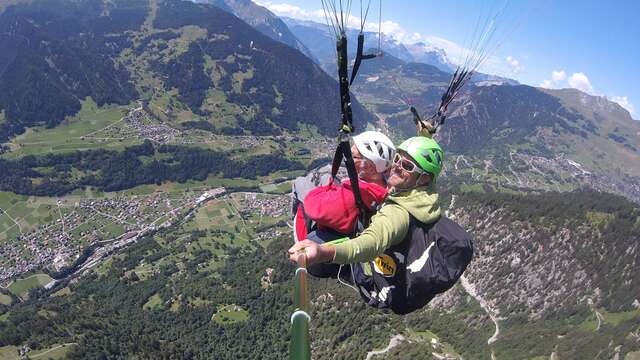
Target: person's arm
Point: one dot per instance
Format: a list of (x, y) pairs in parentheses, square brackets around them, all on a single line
[(388, 227), (315, 253)]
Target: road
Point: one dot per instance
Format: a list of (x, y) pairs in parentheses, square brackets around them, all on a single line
[(470, 288), (395, 341)]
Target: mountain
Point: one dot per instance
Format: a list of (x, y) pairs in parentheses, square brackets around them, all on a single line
[(321, 42), (429, 54), (318, 40), (513, 135), (57, 53), (6, 3), (262, 20)]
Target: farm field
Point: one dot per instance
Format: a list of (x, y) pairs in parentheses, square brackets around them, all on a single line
[(9, 353), (203, 240), (73, 133), (154, 301), (21, 287), (55, 352), (5, 299), (230, 314)]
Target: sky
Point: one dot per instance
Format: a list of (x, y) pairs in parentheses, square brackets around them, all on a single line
[(593, 46)]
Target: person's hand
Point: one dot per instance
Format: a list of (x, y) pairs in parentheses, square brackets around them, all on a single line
[(315, 253)]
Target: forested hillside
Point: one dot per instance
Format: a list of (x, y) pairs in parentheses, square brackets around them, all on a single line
[(551, 290), (57, 175), (262, 20), (57, 53), (67, 54)]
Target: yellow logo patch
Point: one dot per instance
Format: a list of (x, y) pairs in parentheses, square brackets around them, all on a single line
[(385, 265)]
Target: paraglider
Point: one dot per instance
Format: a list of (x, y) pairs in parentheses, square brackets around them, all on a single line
[(407, 252)]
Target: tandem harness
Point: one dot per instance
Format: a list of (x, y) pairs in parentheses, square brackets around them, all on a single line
[(429, 261)]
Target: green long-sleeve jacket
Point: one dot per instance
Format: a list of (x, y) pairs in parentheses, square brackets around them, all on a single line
[(389, 226)]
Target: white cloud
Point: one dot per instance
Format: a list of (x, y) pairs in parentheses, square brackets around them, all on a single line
[(558, 76), (416, 37), (557, 79), (512, 61), (393, 30), (625, 103), (455, 52), (514, 64), (581, 82), (577, 80), (292, 11), (389, 28), (547, 84)]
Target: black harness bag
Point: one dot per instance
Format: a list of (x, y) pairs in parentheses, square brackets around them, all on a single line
[(409, 275)]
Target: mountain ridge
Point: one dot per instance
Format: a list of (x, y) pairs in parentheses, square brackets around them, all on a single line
[(243, 66), (321, 42), (503, 130), (262, 20)]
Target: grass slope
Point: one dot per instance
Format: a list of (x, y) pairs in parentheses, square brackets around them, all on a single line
[(5, 299), (21, 287), (84, 131)]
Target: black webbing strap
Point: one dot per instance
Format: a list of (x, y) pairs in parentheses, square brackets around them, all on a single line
[(343, 150), (343, 78), (359, 57)]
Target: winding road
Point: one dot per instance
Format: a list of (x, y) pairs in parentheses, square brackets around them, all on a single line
[(483, 303), (395, 341)]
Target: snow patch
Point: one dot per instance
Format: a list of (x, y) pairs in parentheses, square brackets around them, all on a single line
[(491, 83)]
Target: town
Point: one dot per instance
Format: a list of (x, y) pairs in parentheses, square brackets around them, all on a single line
[(118, 221), (86, 222)]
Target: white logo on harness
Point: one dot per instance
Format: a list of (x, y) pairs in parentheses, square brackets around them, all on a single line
[(420, 262), (382, 296)]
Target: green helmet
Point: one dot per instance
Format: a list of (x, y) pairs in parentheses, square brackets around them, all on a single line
[(426, 152)]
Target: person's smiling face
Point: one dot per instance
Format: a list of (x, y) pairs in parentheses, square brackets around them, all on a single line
[(405, 173)]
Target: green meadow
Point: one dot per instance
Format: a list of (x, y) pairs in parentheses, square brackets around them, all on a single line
[(21, 287), (230, 314), (79, 132)]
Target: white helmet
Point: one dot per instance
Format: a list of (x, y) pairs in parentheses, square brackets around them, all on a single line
[(376, 147)]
